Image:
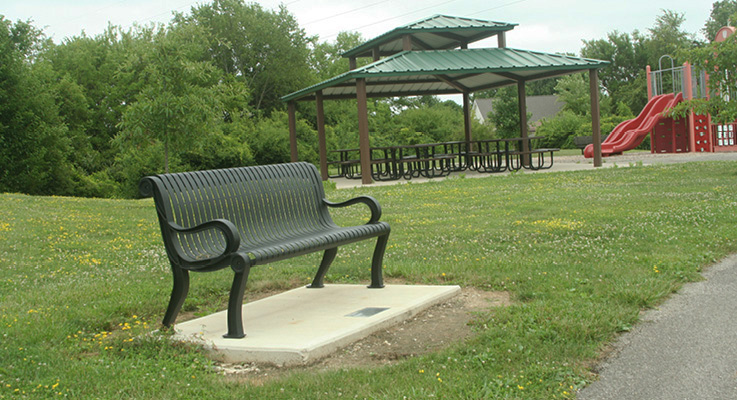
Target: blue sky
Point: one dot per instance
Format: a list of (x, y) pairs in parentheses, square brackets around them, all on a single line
[(544, 25)]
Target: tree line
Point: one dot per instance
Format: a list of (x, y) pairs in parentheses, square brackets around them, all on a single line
[(92, 115)]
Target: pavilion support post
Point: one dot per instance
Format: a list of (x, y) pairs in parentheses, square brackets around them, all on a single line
[(376, 54), (595, 123), (291, 109), (688, 94), (522, 98), (407, 43), (467, 120), (352, 63), (322, 143), (364, 146), (501, 40)]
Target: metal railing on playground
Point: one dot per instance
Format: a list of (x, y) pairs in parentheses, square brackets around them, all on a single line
[(673, 80)]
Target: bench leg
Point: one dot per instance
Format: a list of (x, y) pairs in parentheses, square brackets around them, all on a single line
[(178, 294), (540, 162), (377, 279), (235, 305), (515, 163), (327, 259)]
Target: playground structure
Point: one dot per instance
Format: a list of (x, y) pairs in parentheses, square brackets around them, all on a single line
[(667, 87)]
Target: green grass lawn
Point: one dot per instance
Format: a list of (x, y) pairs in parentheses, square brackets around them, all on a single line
[(581, 253)]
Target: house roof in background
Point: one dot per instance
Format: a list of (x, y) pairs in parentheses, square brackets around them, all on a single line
[(438, 32), (484, 107), (539, 106)]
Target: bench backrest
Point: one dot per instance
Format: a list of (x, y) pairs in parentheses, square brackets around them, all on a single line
[(262, 201)]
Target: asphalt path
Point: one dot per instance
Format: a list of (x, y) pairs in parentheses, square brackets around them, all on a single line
[(685, 349)]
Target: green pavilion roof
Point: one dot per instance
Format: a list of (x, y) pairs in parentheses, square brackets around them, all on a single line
[(438, 32), (433, 72)]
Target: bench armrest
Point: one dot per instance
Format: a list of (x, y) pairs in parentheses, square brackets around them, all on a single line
[(232, 237), (371, 202)]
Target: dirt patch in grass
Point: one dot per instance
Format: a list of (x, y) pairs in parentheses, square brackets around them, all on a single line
[(430, 331)]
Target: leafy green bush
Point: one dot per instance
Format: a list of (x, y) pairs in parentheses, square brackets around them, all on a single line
[(131, 165), (219, 151), (560, 130), (271, 140)]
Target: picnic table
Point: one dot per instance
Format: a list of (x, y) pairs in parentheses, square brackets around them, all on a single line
[(434, 160)]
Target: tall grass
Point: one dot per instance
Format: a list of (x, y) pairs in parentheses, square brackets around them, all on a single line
[(581, 253)]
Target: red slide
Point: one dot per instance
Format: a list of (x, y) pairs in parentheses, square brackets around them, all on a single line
[(629, 134)]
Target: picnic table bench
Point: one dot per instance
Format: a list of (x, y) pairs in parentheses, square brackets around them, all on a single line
[(348, 164), (248, 216), (489, 156), (517, 159), (421, 160)]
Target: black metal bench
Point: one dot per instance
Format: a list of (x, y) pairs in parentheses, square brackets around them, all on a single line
[(243, 217), (582, 141)]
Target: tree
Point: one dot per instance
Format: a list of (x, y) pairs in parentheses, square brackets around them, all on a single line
[(719, 60), (542, 87), (34, 147), (573, 91), (723, 13), (435, 120), (667, 37), (575, 117), (267, 49), (559, 130), (625, 80), (93, 66), (272, 143), (326, 58), (505, 113), (175, 107), (628, 56)]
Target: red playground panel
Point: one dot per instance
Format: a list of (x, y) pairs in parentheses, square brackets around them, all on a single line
[(670, 136), (701, 133)]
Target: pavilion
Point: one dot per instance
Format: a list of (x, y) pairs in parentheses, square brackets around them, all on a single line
[(431, 57)]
